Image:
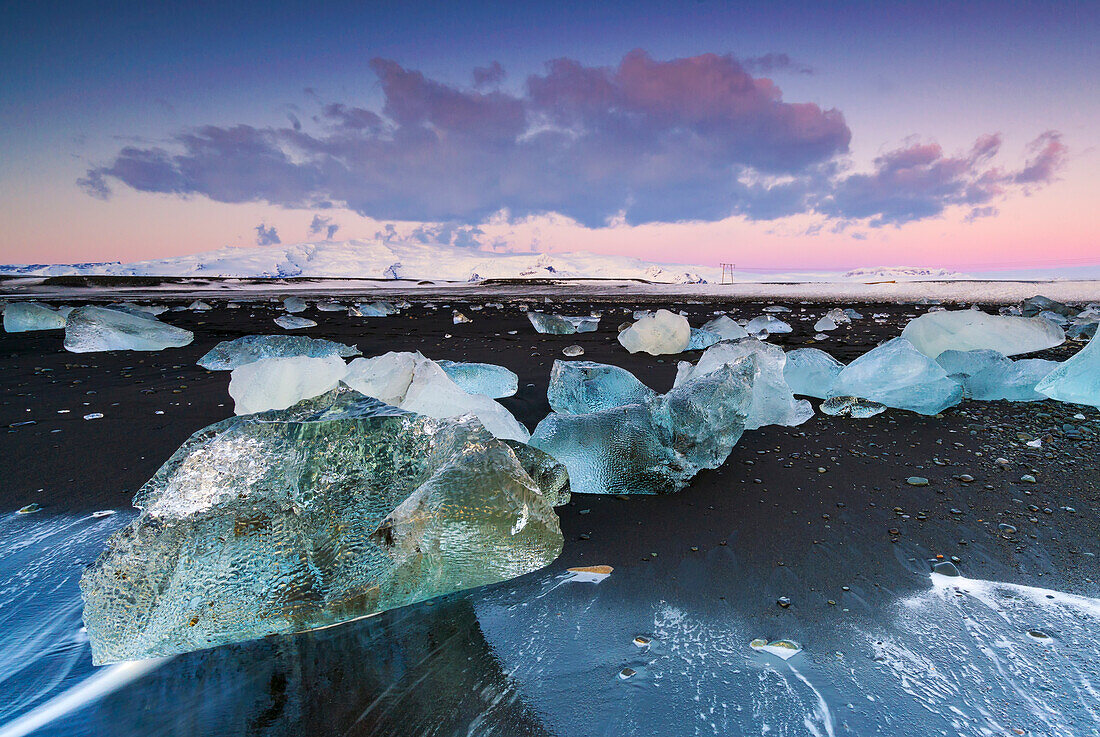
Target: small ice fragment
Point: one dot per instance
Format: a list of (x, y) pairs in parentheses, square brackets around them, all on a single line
[(30, 508), (572, 351), (766, 324), (785, 649), (293, 322), (294, 304), (588, 574), (229, 354), (725, 328), (103, 513), (94, 416), (90, 329), (459, 318)]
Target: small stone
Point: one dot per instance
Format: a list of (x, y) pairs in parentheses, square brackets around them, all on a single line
[(784, 602), (917, 481), (1028, 478)]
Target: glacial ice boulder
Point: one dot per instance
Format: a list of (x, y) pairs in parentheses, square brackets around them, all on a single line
[(278, 383), (373, 309), (418, 384), (988, 375), (773, 402), (898, 375), (1076, 379), (90, 329), (766, 324), (229, 354), (702, 339), (580, 387), (491, 380), (293, 322), (968, 330), (331, 510), (22, 317), (810, 372), (657, 445), (658, 334), (562, 324), (726, 328)]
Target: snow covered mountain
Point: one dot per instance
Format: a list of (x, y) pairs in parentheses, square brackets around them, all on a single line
[(384, 260)]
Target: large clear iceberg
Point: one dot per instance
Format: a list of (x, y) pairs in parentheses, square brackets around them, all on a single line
[(1077, 379), (229, 354), (562, 324), (580, 387), (21, 317), (334, 509), (898, 375), (489, 379), (968, 330), (657, 445), (811, 372), (773, 402), (418, 384), (988, 375), (278, 383), (726, 328), (90, 329), (658, 334)]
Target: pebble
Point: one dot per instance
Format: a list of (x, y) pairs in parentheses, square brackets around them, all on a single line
[(917, 481)]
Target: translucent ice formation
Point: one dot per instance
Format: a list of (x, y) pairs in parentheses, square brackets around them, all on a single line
[(968, 330), (91, 329), (811, 372), (989, 375), (1077, 379), (661, 333), (418, 384), (562, 324), (702, 339), (854, 406), (293, 322), (334, 509), (833, 319), (278, 383), (294, 304), (21, 317), (374, 309), (580, 387), (898, 375), (229, 354), (773, 403), (657, 445), (766, 324), (726, 328), (482, 378)]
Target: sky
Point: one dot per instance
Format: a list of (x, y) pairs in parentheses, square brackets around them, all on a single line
[(773, 135)]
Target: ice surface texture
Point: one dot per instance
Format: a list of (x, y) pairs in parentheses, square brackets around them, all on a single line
[(90, 329), (278, 383), (811, 372), (653, 446), (21, 317), (1076, 380), (418, 384), (968, 330), (989, 375), (493, 381), (702, 339), (898, 375), (580, 387), (229, 354), (773, 403), (562, 324), (294, 519), (294, 304), (658, 334)]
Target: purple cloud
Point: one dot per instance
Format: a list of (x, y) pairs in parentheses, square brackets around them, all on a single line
[(323, 224), (697, 138), (266, 236), (918, 181)]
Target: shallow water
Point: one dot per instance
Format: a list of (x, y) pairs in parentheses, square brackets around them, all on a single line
[(545, 654)]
